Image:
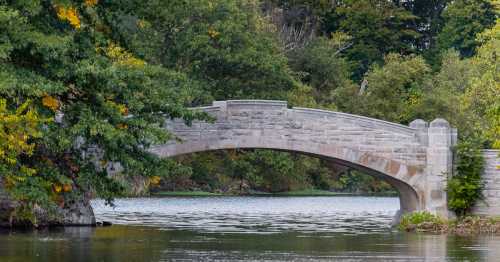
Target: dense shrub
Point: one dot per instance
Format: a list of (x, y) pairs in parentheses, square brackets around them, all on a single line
[(464, 188)]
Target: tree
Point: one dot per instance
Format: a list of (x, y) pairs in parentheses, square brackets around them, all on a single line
[(441, 93), (109, 103), (377, 28), (481, 96), (321, 66), (463, 20), (391, 89), (428, 20), (465, 187), (226, 45)]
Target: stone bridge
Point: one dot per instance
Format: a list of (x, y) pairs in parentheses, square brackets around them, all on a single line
[(414, 159)]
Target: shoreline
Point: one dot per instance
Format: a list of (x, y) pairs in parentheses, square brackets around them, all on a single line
[(302, 193), (424, 222)]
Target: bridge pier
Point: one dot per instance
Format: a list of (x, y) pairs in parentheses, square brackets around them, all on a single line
[(439, 138), (439, 166)]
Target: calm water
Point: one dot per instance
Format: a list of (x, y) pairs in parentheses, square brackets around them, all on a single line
[(245, 229)]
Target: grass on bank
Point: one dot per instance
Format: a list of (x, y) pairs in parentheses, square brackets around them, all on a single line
[(305, 192), (310, 192), (185, 193), (427, 222)]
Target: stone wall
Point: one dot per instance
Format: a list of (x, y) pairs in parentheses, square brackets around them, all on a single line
[(490, 205)]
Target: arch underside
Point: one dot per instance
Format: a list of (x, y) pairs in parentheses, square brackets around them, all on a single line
[(407, 180)]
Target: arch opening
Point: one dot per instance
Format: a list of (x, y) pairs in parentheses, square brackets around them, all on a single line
[(408, 196)]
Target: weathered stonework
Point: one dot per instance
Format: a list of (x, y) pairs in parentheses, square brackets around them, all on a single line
[(490, 205), (415, 159)]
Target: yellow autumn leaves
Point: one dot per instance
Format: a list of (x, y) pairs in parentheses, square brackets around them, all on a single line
[(116, 53), (121, 56), (91, 3), (70, 14), (58, 188), (50, 102), (154, 180), (213, 33), (16, 130), (120, 108)]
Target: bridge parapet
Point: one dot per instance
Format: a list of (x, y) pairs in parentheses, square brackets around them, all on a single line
[(218, 107), (243, 119), (362, 121)]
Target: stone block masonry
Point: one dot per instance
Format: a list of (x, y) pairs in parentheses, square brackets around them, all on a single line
[(490, 205)]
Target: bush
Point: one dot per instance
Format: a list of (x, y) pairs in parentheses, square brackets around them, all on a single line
[(465, 187)]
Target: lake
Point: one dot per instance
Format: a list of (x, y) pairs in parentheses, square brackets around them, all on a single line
[(340, 228)]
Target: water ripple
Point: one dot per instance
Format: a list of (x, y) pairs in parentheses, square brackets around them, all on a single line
[(254, 214)]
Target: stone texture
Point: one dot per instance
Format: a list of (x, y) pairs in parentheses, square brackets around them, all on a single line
[(490, 205), (415, 159)]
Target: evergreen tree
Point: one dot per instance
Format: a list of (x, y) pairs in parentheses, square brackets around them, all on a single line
[(463, 20)]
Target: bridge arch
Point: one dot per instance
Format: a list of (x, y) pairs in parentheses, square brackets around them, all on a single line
[(398, 154)]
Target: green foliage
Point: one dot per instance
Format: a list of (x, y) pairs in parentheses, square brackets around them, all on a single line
[(428, 21), (464, 188), (246, 171), (463, 20), (109, 102), (391, 89), (226, 45), (417, 218), (321, 67), (377, 28), (481, 97), (354, 181)]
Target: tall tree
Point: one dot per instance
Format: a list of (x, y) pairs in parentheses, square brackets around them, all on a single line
[(481, 98), (390, 89), (321, 66), (463, 20), (377, 27), (227, 46), (428, 21), (108, 103)]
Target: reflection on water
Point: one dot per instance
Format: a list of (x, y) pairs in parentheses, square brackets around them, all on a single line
[(255, 214), (245, 229)]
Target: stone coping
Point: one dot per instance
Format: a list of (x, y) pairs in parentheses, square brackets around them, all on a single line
[(365, 119), (394, 126)]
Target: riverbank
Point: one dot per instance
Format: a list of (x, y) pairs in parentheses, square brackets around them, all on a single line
[(185, 193), (469, 225), (305, 192)]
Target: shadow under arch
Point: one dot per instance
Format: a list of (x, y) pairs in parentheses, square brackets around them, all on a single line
[(405, 184)]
